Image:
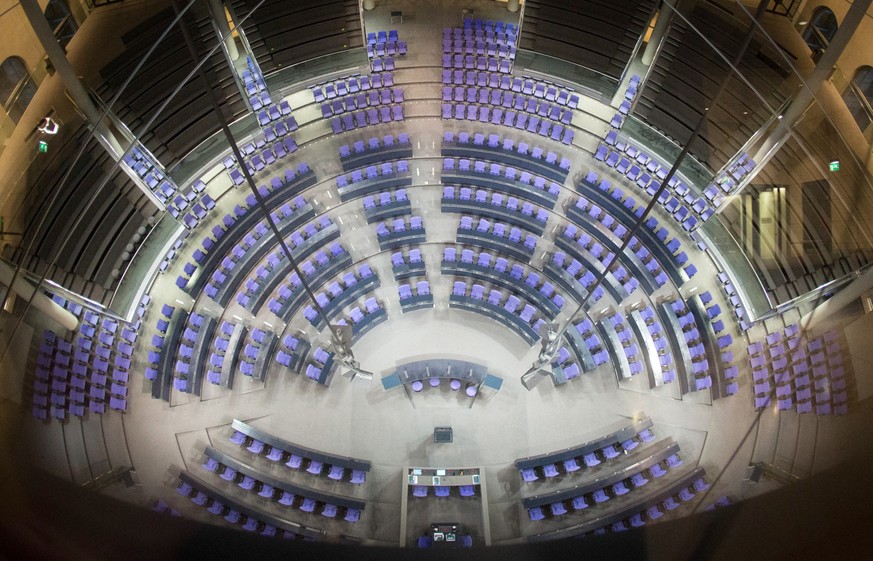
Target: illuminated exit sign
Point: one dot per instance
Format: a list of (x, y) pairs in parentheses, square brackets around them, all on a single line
[(43, 146), (834, 166)]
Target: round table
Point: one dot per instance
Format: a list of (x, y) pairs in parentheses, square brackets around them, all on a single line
[(455, 385), (472, 391), (434, 382), (417, 386)]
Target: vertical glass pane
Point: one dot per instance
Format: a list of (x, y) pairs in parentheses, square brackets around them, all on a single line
[(858, 96), (11, 75)]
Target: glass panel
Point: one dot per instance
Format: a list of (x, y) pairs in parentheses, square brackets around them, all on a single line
[(11, 74), (17, 88), (785, 227), (798, 221), (596, 84), (57, 12), (857, 96)]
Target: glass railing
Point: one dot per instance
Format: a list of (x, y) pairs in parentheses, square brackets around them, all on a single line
[(142, 265), (794, 251), (37, 176), (281, 82), (666, 150), (18, 104), (814, 297), (319, 69), (856, 101), (207, 152), (595, 84), (27, 185), (788, 215)]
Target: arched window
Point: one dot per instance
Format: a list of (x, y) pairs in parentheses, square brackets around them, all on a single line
[(821, 29), (859, 97), (57, 12), (16, 87)]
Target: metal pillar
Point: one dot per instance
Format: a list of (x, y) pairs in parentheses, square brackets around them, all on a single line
[(220, 19), (659, 33)]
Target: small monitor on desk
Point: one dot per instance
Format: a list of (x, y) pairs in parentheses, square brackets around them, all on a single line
[(416, 472), (444, 533), (440, 472)]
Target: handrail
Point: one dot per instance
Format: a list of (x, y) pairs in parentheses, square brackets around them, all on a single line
[(815, 294)]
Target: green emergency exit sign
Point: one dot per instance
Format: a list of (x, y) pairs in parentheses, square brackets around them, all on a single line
[(43, 146), (834, 166)]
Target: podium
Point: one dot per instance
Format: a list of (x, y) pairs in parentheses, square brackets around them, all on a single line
[(442, 435)]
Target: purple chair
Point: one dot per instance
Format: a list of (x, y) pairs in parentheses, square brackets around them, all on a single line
[(558, 509), (335, 473)]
